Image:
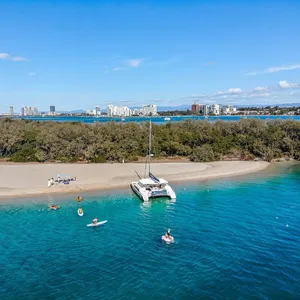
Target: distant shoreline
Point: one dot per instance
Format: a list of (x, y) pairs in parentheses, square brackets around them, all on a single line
[(144, 117), (19, 180)]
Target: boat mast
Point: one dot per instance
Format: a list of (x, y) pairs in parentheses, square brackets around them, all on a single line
[(150, 143), (148, 156)]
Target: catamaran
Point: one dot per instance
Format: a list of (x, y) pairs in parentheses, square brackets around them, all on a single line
[(151, 187)]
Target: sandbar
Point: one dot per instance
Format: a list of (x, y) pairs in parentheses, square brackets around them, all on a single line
[(28, 179)]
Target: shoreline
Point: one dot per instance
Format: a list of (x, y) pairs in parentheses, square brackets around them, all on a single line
[(28, 180)]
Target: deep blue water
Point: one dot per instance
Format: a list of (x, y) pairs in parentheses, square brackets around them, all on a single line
[(156, 120), (231, 242)]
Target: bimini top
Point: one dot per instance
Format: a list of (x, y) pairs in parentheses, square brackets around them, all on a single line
[(150, 181)]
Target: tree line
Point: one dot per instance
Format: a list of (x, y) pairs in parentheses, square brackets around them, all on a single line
[(247, 139)]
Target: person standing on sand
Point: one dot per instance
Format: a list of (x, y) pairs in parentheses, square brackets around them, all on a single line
[(49, 183)]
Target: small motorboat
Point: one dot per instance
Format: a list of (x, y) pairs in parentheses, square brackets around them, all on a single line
[(80, 212)]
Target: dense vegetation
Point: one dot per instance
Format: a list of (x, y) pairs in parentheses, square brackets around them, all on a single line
[(24, 141)]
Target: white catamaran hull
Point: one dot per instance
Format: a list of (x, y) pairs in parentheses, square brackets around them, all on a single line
[(146, 195)]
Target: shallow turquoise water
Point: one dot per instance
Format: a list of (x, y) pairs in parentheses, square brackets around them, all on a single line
[(231, 242)]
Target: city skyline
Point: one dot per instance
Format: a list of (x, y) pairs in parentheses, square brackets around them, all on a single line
[(148, 53)]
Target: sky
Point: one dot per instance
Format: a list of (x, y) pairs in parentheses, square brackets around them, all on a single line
[(79, 54)]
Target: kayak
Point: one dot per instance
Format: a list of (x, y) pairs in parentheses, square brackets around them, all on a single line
[(96, 224), (167, 240), (80, 214)]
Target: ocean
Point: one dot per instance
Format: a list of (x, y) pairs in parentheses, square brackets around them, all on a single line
[(235, 238), (155, 120)]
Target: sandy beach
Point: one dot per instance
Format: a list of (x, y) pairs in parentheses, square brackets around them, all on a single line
[(18, 180)]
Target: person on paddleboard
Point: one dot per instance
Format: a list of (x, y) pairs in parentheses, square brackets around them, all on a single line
[(95, 221)]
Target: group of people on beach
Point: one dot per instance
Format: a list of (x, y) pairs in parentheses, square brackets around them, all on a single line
[(60, 180)]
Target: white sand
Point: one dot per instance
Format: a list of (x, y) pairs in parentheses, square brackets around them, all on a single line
[(32, 179)]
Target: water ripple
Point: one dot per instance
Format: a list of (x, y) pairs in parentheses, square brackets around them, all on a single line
[(231, 241)]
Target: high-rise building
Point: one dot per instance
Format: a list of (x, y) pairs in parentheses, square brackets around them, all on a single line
[(228, 110), (27, 111), (52, 109), (206, 110), (118, 111), (97, 110), (110, 109), (195, 108), (11, 110), (149, 110), (35, 111), (136, 112), (214, 109), (201, 108)]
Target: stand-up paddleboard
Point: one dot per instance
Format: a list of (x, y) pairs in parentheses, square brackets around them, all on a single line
[(166, 240), (96, 224), (80, 214)]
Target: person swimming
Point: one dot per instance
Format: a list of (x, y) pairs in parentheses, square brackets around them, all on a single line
[(54, 207), (168, 235), (95, 221)]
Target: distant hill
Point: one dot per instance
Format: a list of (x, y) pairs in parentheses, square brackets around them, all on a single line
[(271, 104)]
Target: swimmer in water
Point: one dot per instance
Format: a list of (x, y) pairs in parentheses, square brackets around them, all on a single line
[(54, 207), (168, 235)]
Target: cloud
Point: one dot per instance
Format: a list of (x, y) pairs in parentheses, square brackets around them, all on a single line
[(282, 93), (283, 68), (6, 56), (261, 89), (134, 63), (259, 95), (32, 74), (230, 91), (234, 91), (275, 69), (194, 96), (283, 84), (127, 64), (19, 58)]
